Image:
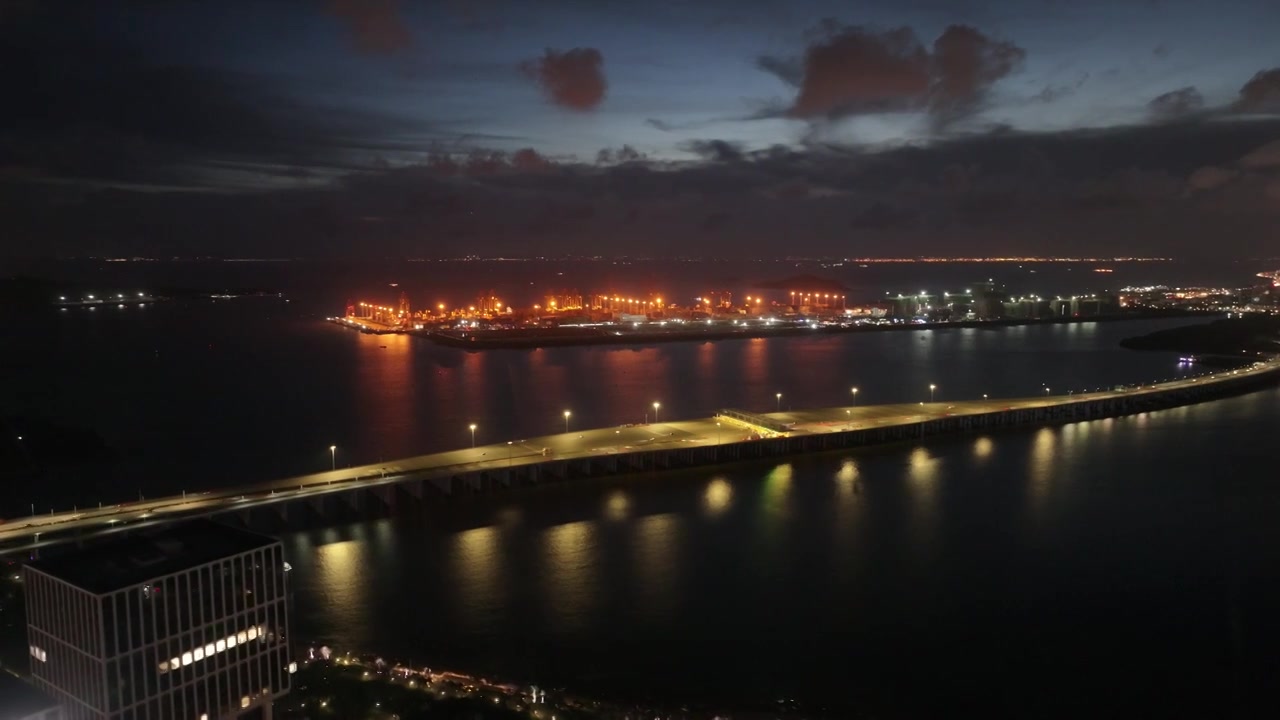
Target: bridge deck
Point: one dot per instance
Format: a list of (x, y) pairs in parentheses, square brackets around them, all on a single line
[(571, 445)]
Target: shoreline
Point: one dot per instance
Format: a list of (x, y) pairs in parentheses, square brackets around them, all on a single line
[(580, 337)]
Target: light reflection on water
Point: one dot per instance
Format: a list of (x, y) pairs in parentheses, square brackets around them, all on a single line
[(570, 567), (1012, 553)]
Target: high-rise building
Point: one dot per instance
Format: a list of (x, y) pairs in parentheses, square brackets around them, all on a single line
[(186, 622)]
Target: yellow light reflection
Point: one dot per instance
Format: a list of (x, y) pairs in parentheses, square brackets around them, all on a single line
[(477, 566), (982, 448), (342, 581), (717, 497), (922, 478), (657, 544), (617, 505), (570, 579), (1040, 470), (846, 478)]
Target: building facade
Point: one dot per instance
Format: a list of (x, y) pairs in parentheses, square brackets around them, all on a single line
[(189, 623)]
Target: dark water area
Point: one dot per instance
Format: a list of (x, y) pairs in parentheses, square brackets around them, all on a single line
[(1114, 568), (194, 395)]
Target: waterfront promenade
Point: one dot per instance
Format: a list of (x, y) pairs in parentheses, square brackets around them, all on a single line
[(806, 426)]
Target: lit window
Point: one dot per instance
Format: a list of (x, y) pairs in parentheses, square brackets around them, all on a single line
[(209, 650), (253, 633), (164, 667), (38, 654), (204, 716), (197, 654), (241, 637), (221, 645), (174, 663), (293, 668), (244, 701), (231, 641), (186, 659)]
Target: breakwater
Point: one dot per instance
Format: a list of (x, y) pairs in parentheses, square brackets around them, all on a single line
[(403, 486)]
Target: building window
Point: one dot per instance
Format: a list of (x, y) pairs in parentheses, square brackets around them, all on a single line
[(186, 659), (293, 668), (241, 637), (197, 654), (244, 701), (209, 650), (39, 654), (221, 645), (175, 663), (164, 667)]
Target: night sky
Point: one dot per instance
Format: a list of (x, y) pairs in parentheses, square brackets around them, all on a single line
[(422, 128)]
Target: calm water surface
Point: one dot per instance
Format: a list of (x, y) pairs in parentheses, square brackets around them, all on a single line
[(1101, 569), (1115, 568), (215, 394)]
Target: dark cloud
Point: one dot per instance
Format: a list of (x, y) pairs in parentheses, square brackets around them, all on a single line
[(624, 154), (850, 70), (715, 150), (882, 216), (1121, 191), (573, 79), (82, 108), (966, 63), (1261, 94), (1176, 104), (376, 26), (788, 70), (715, 222), (528, 160)]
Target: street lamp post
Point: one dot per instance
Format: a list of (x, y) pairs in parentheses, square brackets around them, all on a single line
[(509, 453), (566, 421), (717, 433), (778, 397), (656, 406), (333, 457), (473, 435), (1046, 391), (854, 392), (932, 387)]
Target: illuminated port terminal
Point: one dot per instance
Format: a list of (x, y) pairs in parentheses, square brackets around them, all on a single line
[(571, 317)]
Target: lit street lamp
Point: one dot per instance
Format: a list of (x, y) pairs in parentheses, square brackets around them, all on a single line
[(566, 421), (656, 406), (473, 435), (509, 453), (779, 399), (717, 433), (333, 457), (1046, 391), (932, 387), (854, 392)]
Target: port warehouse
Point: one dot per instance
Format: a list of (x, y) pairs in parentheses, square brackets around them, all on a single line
[(378, 497)]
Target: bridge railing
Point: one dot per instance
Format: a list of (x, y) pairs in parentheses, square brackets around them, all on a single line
[(753, 419)]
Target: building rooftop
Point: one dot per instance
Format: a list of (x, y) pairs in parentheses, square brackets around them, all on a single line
[(134, 558), (20, 699)]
